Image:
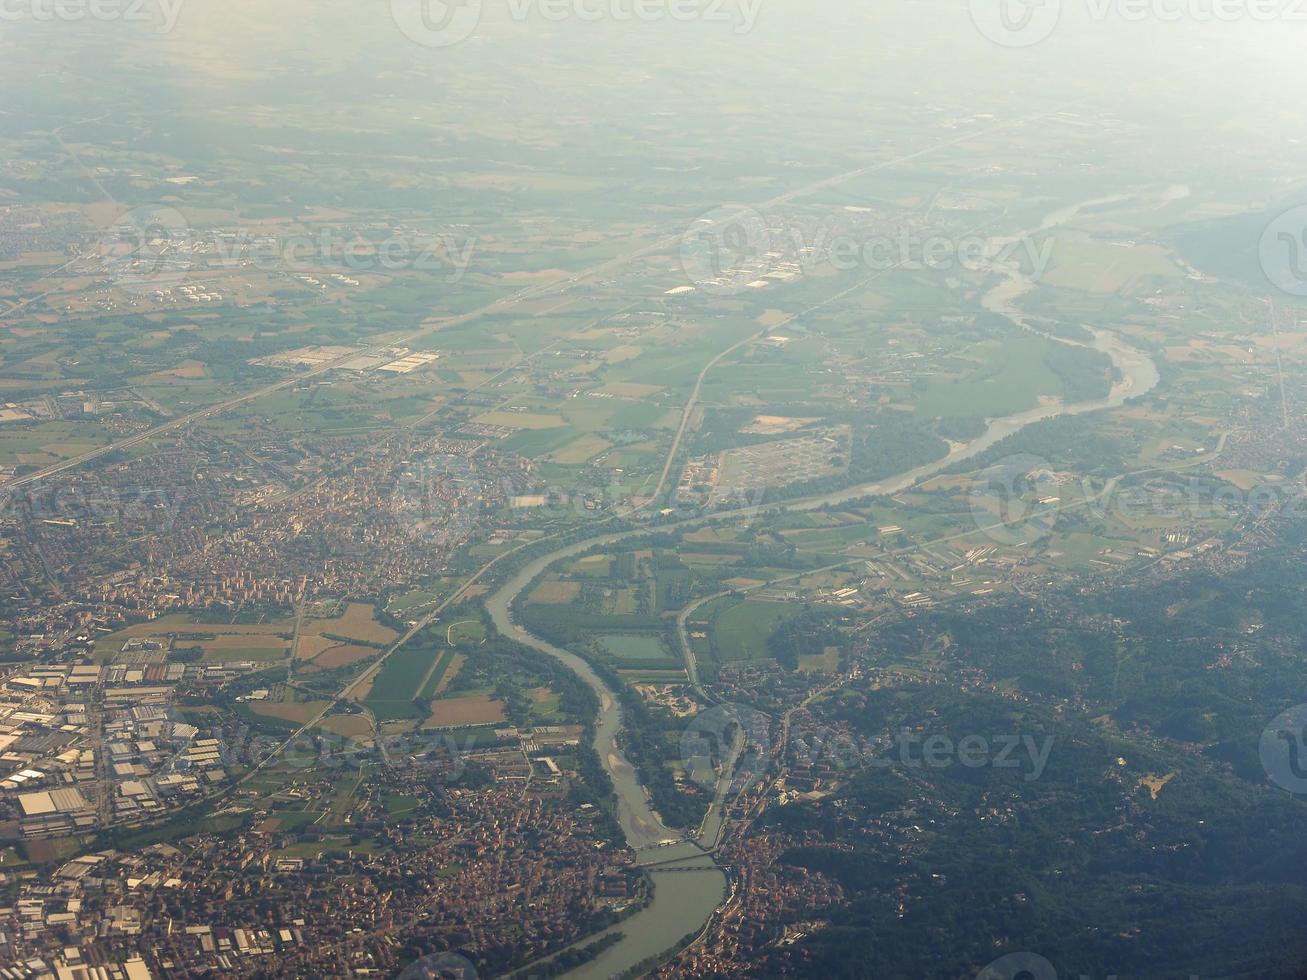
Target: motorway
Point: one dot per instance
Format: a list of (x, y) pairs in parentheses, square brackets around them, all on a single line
[(676, 912), (505, 303)]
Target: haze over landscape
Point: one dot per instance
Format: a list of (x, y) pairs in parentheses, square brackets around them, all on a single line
[(653, 488)]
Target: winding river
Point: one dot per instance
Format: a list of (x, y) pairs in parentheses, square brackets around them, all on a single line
[(688, 884)]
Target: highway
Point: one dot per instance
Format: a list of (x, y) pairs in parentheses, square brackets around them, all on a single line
[(507, 302)]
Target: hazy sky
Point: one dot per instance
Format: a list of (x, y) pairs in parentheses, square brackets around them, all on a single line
[(1206, 86)]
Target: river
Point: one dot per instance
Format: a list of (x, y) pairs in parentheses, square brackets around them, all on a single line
[(686, 897)]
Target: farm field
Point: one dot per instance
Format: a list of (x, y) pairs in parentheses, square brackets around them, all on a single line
[(468, 631), (827, 662), (637, 649), (395, 688), (521, 420), (435, 678), (230, 649), (299, 712), (580, 451), (604, 351), (341, 655), (311, 647), (477, 709), (740, 631), (555, 593), (349, 726), (1106, 267), (356, 622), (220, 642), (1003, 378)]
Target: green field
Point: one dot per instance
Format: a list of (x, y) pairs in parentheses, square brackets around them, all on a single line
[(399, 803), (1101, 267), (1007, 378), (433, 681), (740, 631), (399, 605), (291, 820), (831, 538), (469, 632), (393, 693), (636, 648), (540, 442)]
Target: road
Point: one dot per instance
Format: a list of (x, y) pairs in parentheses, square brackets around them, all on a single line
[(639, 822), (687, 650), (506, 303), (222, 407)]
